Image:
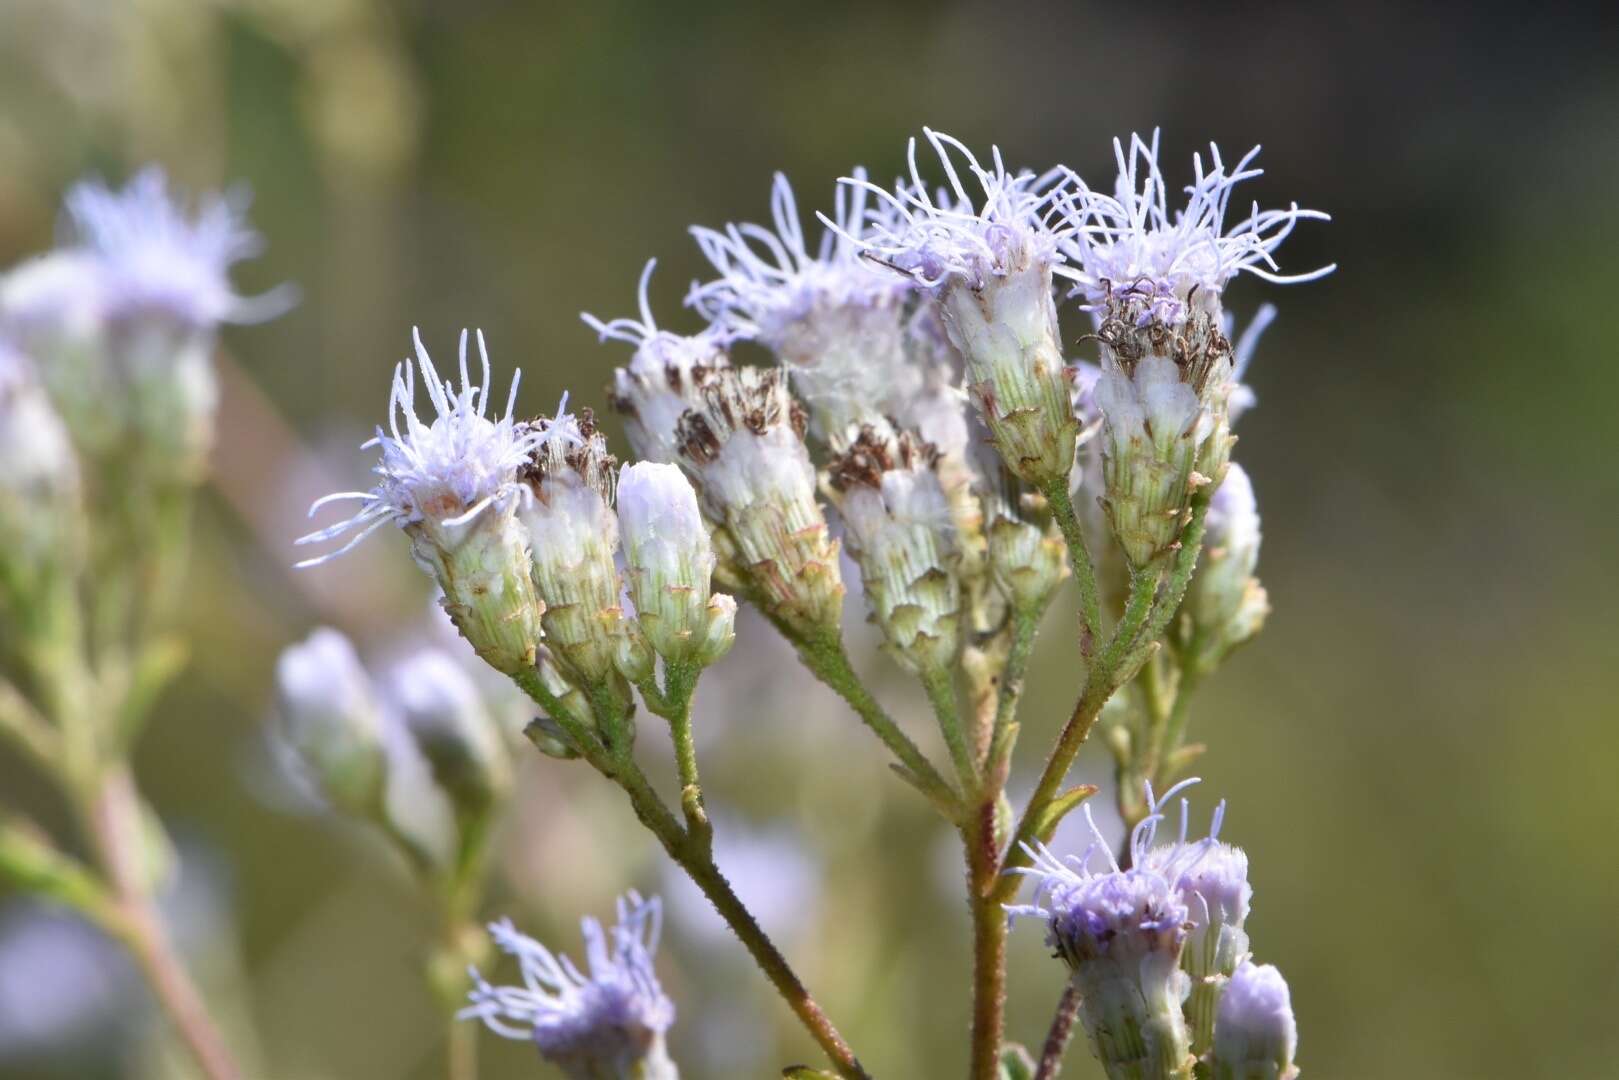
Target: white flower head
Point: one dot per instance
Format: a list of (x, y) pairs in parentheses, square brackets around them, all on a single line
[(454, 484), (1128, 247), (832, 317), (987, 222), (446, 471), (152, 255), (602, 1020), (662, 378)]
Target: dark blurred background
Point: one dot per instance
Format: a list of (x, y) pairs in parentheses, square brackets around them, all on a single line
[(1420, 751)]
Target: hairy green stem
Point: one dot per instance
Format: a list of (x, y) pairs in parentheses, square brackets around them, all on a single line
[(941, 690), (826, 659), (1079, 557)]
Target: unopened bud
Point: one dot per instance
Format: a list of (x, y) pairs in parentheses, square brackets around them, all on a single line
[(573, 535), (902, 535), (1255, 1034), (451, 726), (331, 720), (670, 563), (1227, 604), (745, 449), (1027, 557)]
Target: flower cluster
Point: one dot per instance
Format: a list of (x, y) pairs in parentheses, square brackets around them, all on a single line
[(923, 418), (1155, 948)]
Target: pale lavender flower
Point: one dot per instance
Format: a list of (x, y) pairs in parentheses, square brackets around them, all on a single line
[(1255, 1034), (607, 1020), (1130, 246), (1121, 933), (155, 258), (832, 317), (453, 485), (662, 379)]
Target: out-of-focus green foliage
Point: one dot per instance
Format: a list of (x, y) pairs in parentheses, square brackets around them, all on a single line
[(1419, 752)]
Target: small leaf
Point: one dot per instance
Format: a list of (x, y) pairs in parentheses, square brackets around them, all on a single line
[(549, 738), (1016, 1063), (1059, 808)]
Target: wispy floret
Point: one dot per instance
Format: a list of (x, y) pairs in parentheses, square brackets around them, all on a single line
[(453, 485), (988, 224), (661, 380), (1242, 356), (832, 317), (1130, 245), (605, 1020), (986, 246), (1121, 932), (155, 256)]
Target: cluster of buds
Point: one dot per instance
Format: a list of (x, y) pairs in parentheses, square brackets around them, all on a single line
[(416, 751), (516, 522), (605, 1021), (988, 262), (123, 320), (744, 447), (888, 489), (1161, 957)]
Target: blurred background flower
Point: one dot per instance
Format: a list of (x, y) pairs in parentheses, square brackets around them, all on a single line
[(1432, 456)]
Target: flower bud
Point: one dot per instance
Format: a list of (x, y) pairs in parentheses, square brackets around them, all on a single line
[(1226, 602), (670, 563), (744, 447), (1165, 431), (606, 1021), (449, 723), (887, 487), (662, 379), (1255, 1035), (453, 486), (1027, 557), (331, 720), (573, 535)]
